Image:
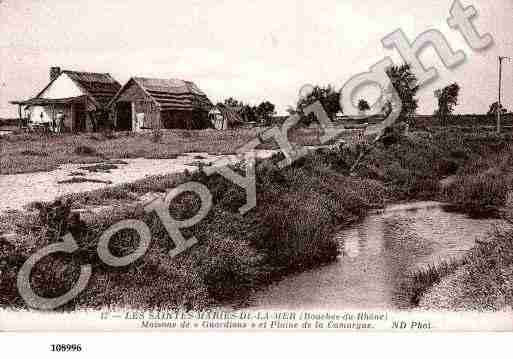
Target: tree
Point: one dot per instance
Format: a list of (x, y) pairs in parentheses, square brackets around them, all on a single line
[(327, 96), (406, 85), (447, 100), (265, 111), (363, 106), (232, 102), (248, 113), (494, 107)]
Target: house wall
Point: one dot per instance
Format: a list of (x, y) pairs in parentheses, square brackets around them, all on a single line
[(63, 87), (142, 107), (44, 114), (40, 114), (149, 111), (193, 120)]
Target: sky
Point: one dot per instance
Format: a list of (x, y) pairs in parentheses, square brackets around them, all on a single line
[(250, 50)]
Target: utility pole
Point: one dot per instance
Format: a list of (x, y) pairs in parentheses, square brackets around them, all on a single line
[(501, 58)]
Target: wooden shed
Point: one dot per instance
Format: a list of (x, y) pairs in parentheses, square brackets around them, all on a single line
[(146, 103)]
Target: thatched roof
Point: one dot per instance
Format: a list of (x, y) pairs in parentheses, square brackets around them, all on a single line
[(170, 94), (101, 87), (37, 101)]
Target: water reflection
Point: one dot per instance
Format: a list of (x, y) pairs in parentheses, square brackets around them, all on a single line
[(377, 255)]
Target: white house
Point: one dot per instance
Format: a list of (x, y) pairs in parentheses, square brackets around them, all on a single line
[(78, 98)]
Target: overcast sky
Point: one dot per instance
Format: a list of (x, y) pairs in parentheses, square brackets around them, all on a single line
[(251, 50)]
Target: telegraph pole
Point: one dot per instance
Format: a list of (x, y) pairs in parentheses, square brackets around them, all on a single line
[(501, 58)]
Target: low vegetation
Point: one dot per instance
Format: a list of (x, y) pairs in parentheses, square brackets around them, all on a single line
[(415, 167), (483, 281), (291, 229), (23, 153), (419, 282), (488, 275), (299, 210)]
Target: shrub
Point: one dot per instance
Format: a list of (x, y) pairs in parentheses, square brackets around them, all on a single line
[(489, 273), (292, 228), (480, 192), (55, 275), (229, 268), (55, 219), (290, 240), (11, 260)]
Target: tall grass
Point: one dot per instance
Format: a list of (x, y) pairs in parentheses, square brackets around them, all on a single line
[(479, 193), (482, 281), (291, 229), (419, 282), (488, 277), (301, 236)]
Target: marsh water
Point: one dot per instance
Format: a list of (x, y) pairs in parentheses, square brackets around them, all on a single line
[(377, 255)]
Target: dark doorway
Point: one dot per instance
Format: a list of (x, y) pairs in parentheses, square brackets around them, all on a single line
[(124, 116), (80, 118)]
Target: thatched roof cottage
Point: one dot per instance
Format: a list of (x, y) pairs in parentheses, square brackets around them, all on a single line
[(78, 99), (160, 103)]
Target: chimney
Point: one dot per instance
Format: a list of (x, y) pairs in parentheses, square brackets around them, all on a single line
[(54, 72)]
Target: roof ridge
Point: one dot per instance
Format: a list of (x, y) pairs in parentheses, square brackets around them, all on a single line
[(87, 72), (161, 78)]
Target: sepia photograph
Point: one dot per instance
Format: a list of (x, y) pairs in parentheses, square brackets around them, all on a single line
[(275, 166)]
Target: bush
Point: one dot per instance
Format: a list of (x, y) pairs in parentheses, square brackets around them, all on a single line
[(229, 268), (479, 193), (290, 241), (489, 274), (55, 219), (11, 260)]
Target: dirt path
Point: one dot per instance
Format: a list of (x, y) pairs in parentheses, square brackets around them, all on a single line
[(21, 189)]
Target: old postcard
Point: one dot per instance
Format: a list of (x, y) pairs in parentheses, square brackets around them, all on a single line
[(287, 166)]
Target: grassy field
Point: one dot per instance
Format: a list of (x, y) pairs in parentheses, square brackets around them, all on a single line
[(481, 168), (33, 152), (299, 210), (292, 229)]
